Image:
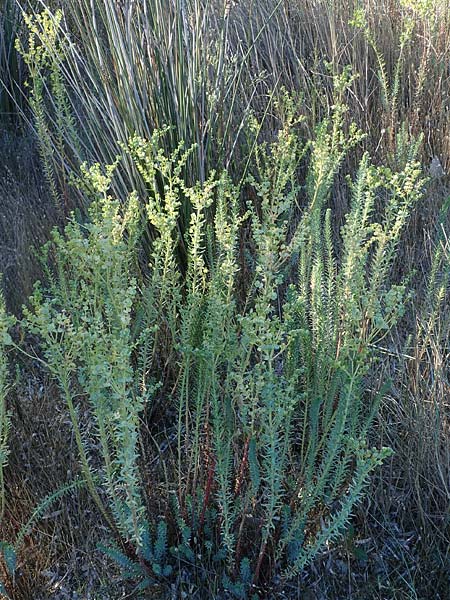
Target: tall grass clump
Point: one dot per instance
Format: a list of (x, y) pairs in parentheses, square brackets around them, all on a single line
[(263, 380), (399, 49), (415, 421), (428, 378), (111, 71), (11, 70)]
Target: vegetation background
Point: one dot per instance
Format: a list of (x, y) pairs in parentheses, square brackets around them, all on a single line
[(83, 82)]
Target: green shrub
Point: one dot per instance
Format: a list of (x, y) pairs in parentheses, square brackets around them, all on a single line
[(266, 375), (84, 323)]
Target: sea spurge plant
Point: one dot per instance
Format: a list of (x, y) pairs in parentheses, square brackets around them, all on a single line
[(263, 380), (84, 321), (337, 312)]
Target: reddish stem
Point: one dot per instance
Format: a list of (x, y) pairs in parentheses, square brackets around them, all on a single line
[(208, 489), (259, 563), (243, 465)]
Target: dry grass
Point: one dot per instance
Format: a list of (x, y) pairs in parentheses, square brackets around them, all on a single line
[(12, 72), (305, 43), (26, 215)]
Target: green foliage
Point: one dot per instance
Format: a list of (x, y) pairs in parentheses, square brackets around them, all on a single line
[(267, 378), (151, 563), (252, 323), (240, 588), (84, 321), (9, 556)]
